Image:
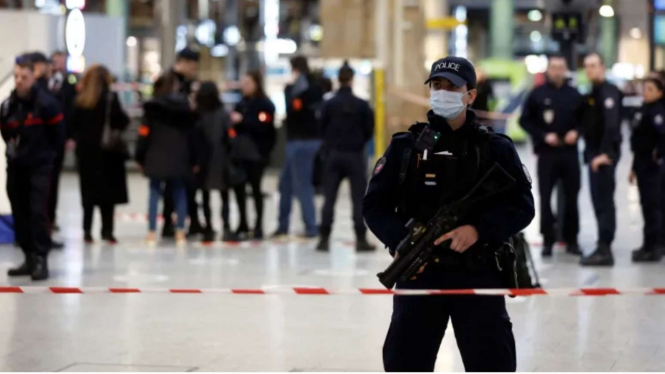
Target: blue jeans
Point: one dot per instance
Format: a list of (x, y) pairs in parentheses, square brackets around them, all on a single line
[(179, 200), (296, 179)]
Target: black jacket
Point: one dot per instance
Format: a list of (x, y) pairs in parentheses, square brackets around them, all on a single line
[(32, 128), (212, 149), (166, 148), (551, 109), (648, 134), (601, 116), (102, 173), (347, 122), (258, 122), (496, 221), (303, 102), (63, 87)]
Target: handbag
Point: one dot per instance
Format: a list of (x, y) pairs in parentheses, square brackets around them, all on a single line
[(112, 140)]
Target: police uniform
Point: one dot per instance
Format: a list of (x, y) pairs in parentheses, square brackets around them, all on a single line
[(408, 183), (648, 129), (347, 124), (602, 120), (552, 109), (32, 128)]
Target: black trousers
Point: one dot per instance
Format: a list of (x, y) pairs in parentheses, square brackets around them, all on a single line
[(255, 172), (207, 210), (107, 211), (54, 189), (648, 183), (555, 166), (603, 185), (338, 166), (481, 323), (28, 191)]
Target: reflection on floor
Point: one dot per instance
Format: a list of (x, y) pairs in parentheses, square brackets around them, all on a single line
[(154, 332)]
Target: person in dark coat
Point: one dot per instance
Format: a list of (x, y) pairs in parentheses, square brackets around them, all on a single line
[(254, 118), (216, 172), (166, 150), (102, 172)]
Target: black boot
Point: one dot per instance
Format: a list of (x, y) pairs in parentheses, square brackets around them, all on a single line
[(573, 249), (40, 271), (602, 256), (25, 269), (228, 236), (647, 254), (209, 235), (324, 243), (362, 245), (242, 233), (257, 234), (168, 232), (547, 250)]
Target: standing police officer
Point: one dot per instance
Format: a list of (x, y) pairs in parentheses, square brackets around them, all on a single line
[(550, 117), (463, 153), (32, 127), (602, 119), (347, 124), (648, 130)]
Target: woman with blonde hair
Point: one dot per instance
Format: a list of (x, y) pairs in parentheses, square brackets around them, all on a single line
[(98, 123)]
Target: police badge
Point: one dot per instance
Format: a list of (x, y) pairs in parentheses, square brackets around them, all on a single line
[(548, 116)]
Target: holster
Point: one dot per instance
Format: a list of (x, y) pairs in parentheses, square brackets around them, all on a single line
[(506, 264)]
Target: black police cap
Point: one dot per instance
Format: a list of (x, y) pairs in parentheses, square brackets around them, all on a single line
[(189, 54), (458, 70)]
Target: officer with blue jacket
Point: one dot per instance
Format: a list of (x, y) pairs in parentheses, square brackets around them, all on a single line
[(32, 128), (550, 116), (409, 183), (601, 116), (647, 136)]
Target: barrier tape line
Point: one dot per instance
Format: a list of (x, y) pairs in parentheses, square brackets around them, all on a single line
[(327, 291)]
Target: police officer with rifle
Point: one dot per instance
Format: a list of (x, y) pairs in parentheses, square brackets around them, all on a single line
[(446, 196)]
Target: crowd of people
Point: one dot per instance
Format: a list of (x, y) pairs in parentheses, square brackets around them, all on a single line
[(556, 116), (190, 146)]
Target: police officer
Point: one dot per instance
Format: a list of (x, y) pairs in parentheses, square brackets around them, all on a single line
[(601, 111), (550, 117), (347, 124), (42, 66), (395, 194), (648, 127), (32, 128)]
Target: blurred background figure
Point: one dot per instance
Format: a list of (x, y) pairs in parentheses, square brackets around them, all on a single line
[(215, 174), (254, 119), (485, 98), (602, 121), (101, 164), (186, 70), (42, 69), (648, 134), (62, 86), (347, 124), (550, 116), (303, 98), (166, 151)]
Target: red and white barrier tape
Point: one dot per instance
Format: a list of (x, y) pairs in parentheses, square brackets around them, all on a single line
[(327, 291)]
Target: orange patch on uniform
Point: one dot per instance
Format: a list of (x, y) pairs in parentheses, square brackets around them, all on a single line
[(232, 133), (264, 117), (144, 131), (297, 105)]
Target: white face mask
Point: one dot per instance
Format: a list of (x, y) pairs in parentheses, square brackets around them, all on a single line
[(447, 104)]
